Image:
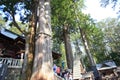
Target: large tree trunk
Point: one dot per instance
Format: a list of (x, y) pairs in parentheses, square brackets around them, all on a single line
[(68, 49), (85, 43), (93, 66), (30, 46), (42, 68)]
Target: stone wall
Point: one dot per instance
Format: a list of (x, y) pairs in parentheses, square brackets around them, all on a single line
[(13, 74)]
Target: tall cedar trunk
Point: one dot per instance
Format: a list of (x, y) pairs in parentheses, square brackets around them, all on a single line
[(93, 66), (30, 46), (42, 68), (85, 43), (68, 49)]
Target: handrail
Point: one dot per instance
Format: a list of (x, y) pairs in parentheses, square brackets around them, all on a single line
[(12, 63)]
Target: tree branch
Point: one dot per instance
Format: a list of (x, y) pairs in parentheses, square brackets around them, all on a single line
[(16, 25), (14, 22)]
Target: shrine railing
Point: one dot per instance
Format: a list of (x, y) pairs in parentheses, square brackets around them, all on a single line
[(12, 63)]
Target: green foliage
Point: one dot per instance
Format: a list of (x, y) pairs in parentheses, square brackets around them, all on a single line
[(94, 37), (115, 56), (111, 38), (63, 12), (2, 22), (22, 9), (15, 30), (87, 63), (97, 46), (62, 58), (110, 28)]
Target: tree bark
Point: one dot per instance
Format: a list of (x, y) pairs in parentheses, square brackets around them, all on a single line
[(30, 45), (68, 49), (42, 68)]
